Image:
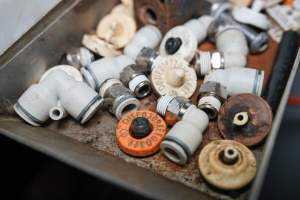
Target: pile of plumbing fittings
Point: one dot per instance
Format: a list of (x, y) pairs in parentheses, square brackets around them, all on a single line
[(120, 66)]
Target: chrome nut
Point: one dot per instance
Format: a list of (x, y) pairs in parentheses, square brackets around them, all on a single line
[(176, 105), (217, 60), (211, 97), (206, 61), (146, 58), (118, 98), (133, 76), (213, 89), (130, 72)]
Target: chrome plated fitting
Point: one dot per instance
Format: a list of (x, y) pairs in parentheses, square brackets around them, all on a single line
[(173, 104), (118, 98), (206, 61), (134, 78), (211, 97), (79, 57), (145, 58)]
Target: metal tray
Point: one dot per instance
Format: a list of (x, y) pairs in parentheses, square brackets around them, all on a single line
[(92, 147)]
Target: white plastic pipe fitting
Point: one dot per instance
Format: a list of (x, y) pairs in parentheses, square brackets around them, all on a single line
[(40, 100), (99, 71), (182, 40), (238, 80), (118, 98), (232, 43), (147, 36), (179, 144)]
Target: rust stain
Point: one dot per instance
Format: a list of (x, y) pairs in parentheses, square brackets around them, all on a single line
[(258, 125)]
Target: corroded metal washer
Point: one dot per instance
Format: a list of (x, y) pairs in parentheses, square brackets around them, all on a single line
[(258, 124), (227, 164)]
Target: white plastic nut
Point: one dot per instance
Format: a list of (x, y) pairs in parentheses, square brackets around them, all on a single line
[(247, 16), (182, 41), (179, 145), (57, 90), (147, 36), (173, 76), (117, 29), (238, 80)]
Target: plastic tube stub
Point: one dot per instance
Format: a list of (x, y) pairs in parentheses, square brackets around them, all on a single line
[(179, 145)]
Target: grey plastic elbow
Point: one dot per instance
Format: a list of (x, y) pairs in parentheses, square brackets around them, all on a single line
[(41, 100), (121, 67), (185, 136), (238, 80)]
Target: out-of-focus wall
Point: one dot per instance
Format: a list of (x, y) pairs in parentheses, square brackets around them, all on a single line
[(18, 16)]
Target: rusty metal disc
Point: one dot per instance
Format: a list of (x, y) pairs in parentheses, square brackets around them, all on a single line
[(233, 125), (227, 164)]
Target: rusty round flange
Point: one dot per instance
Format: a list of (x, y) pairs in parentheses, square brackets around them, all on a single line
[(246, 118), (227, 164), (137, 146)]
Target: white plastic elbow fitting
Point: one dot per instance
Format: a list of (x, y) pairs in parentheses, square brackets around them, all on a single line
[(120, 67), (147, 36), (232, 43), (179, 144), (182, 40), (238, 80), (41, 100), (101, 70), (118, 98)]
